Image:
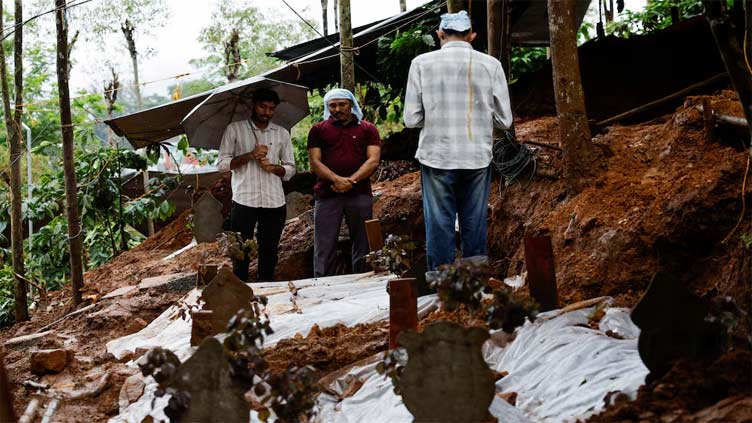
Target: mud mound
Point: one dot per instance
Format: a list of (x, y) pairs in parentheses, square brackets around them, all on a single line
[(329, 349), (131, 267), (393, 169), (460, 316), (692, 392), (667, 200), (172, 237)]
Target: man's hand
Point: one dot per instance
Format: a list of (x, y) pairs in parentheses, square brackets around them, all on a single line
[(259, 152), (271, 168), (342, 185), (265, 165)]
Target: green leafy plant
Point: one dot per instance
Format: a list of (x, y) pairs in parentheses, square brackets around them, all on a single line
[(655, 16), (746, 239), (462, 282), (466, 282), (526, 60), (396, 255), (235, 247)]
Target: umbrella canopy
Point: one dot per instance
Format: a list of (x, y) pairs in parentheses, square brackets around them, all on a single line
[(206, 123)]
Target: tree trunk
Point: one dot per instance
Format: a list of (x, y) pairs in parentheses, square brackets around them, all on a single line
[(609, 11), (403, 5), (232, 56), (574, 133), (731, 48), (15, 170), (336, 16), (454, 6), (110, 96), (325, 16), (13, 130), (71, 44), (347, 68), (128, 28), (74, 226)]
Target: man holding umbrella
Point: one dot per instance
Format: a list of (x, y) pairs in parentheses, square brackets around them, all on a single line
[(259, 154), (344, 151)]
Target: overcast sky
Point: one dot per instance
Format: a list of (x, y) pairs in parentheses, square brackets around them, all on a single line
[(175, 44)]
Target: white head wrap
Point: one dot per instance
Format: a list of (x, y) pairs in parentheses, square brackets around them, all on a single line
[(341, 93), (459, 21)]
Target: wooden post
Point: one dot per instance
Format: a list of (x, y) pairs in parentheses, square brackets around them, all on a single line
[(574, 132), (494, 25), (403, 308), (499, 40), (707, 117), (347, 63), (454, 6), (71, 200), (541, 272), (375, 237), (506, 38), (6, 399)]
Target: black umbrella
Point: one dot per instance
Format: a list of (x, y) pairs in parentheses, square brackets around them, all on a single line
[(206, 123)]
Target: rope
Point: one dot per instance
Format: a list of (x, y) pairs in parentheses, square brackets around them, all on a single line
[(511, 159), (68, 6)]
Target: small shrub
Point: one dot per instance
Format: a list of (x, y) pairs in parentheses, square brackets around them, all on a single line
[(396, 256)]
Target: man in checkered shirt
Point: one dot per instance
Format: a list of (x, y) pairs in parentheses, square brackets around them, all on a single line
[(457, 96)]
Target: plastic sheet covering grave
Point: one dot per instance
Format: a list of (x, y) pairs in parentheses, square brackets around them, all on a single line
[(560, 368)]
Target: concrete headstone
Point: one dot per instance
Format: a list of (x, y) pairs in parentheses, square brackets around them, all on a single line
[(207, 218), (446, 378)]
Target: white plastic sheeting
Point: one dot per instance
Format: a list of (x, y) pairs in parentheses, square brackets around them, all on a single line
[(376, 402), (346, 299), (561, 369)]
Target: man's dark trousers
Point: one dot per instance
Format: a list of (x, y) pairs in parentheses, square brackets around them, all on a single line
[(271, 222), (327, 220)]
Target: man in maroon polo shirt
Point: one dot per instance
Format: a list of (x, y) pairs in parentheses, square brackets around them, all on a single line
[(344, 150)]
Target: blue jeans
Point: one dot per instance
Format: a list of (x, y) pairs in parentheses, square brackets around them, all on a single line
[(446, 195)]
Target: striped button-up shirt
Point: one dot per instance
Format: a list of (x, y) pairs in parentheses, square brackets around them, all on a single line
[(251, 185), (457, 95)]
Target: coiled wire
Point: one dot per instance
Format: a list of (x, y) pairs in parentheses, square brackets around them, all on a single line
[(511, 159)]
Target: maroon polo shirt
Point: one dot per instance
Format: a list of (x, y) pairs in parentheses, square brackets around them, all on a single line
[(343, 150)]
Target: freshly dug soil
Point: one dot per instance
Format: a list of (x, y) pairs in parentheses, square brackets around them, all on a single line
[(131, 267), (666, 200), (172, 237), (329, 349)]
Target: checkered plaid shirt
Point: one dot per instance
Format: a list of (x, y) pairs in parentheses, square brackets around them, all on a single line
[(457, 95)]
